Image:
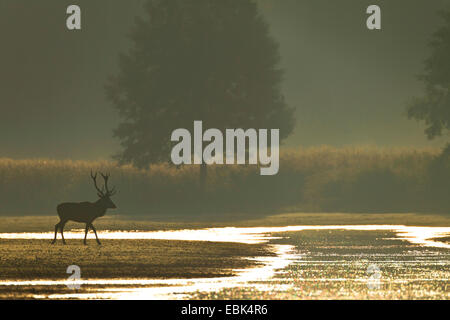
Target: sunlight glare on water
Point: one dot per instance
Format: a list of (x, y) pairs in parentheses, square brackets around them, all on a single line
[(416, 235), (174, 288), (266, 277)]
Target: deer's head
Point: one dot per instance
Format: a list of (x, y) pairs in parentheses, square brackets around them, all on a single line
[(104, 193)]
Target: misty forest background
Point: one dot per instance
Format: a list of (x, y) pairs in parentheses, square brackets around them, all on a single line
[(217, 61)]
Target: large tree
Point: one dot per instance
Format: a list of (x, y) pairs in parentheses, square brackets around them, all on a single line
[(434, 106), (209, 60)]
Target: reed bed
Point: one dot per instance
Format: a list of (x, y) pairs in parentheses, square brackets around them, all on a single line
[(319, 179)]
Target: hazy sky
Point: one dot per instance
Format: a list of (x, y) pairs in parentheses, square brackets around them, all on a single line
[(349, 85)]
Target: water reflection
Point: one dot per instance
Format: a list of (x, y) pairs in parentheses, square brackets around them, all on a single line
[(416, 235), (174, 288), (265, 278)]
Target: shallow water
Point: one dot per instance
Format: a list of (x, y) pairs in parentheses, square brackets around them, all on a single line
[(331, 262), (417, 235)]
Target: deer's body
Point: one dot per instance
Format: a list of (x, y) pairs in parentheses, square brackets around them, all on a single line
[(85, 212)]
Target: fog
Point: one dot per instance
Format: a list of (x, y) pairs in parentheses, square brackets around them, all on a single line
[(349, 85)]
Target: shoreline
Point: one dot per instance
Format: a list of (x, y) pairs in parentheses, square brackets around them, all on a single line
[(146, 264), (123, 222)]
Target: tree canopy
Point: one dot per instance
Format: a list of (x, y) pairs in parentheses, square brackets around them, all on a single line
[(434, 106), (209, 60)]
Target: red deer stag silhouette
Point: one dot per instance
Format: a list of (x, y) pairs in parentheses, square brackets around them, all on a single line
[(86, 212)]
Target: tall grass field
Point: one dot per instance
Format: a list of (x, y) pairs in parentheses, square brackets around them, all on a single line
[(320, 179)]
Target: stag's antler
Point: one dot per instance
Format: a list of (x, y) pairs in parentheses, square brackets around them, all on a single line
[(94, 177), (108, 191)]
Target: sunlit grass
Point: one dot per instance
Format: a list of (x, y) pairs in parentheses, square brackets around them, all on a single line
[(287, 256), (37, 259)]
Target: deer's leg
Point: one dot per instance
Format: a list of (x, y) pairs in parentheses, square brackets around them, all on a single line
[(62, 224), (86, 232), (56, 232), (95, 231)]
